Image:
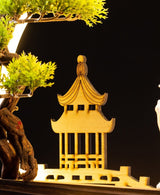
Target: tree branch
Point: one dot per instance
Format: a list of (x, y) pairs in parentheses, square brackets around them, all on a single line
[(6, 57), (56, 18)]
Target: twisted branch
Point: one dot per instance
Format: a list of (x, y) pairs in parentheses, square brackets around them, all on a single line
[(45, 18)]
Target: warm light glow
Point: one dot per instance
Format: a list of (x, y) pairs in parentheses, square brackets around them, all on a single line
[(4, 70), (157, 109), (17, 34), (42, 173), (21, 170)]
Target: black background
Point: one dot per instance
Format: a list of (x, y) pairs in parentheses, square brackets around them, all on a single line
[(123, 60)]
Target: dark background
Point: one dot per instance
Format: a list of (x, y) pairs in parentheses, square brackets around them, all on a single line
[(123, 60)]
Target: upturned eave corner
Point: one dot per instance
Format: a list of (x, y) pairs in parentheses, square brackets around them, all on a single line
[(113, 122)]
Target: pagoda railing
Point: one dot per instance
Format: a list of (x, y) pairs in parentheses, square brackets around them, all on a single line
[(80, 161)]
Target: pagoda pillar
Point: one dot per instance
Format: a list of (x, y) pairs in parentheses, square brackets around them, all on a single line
[(76, 149), (104, 150), (97, 143), (66, 149), (60, 150), (87, 148), (97, 149)]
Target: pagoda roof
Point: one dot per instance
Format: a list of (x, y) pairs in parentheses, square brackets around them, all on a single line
[(90, 93), (91, 122), (85, 120)]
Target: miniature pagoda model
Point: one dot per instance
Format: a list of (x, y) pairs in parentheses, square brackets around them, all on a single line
[(82, 128), (83, 132)]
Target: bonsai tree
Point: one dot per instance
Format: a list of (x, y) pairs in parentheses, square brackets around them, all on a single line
[(25, 71)]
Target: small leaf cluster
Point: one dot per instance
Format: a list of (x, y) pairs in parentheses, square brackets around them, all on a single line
[(27, 71), (14, 9), (90, 11), (6, 31)]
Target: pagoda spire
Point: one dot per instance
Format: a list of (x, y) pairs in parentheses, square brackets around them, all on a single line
[(82, 82), (82, 68)]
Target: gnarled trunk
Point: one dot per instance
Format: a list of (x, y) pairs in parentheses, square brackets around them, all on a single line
[(10, 160), (14, 145)]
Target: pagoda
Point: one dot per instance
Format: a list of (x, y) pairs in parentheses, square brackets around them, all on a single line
[(82, 130), (82, 127)]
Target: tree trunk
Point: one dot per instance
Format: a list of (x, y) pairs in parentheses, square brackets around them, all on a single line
[(10, 160), (14, 145)]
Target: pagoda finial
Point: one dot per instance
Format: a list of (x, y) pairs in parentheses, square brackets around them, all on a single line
[(82, 68)]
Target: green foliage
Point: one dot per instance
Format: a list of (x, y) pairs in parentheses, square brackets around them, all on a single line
[(14, 8), (28, 71), (6, 30), (90, 11)]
